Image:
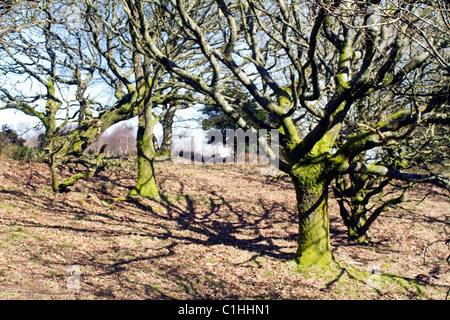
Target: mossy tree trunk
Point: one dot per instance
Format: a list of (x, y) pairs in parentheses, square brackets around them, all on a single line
[(312, 175), (49, 120), (146, 183), (53, 173), (311, 186), (146, 73)]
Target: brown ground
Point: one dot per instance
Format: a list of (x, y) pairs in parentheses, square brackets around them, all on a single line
[(225, 233)]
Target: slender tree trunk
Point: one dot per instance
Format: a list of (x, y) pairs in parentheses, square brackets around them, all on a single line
[(167, 122), (146, 183), (354, 217), (54, 173), (311, 186)]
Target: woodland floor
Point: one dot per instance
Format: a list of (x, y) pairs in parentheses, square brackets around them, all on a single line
[(223, 232)]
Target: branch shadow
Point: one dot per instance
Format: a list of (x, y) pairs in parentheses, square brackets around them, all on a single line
[(222, 231), (210, 220)]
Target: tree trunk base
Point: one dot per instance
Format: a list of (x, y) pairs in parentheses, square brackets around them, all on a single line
[(152, 195), (313, 257)]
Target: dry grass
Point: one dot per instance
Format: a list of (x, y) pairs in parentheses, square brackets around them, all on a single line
[(223, 232)]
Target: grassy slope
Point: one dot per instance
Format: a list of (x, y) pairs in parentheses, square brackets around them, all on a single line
[(224, 233)]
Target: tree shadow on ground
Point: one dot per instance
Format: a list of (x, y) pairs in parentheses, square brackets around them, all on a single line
[(207, 218), (185, 219), (376, 281), (223, 222)]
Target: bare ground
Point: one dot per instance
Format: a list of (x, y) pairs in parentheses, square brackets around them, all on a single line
[(223, 232)]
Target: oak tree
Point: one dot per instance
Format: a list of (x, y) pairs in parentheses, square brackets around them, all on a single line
[(309, 64)]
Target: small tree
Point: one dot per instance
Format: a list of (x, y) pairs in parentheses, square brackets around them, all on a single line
[(149, 83), (14, 146), (217, 119), (166, 119), (10, 136)]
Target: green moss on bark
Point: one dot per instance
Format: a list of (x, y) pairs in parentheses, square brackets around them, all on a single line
[(146, 183), (311, 185)]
